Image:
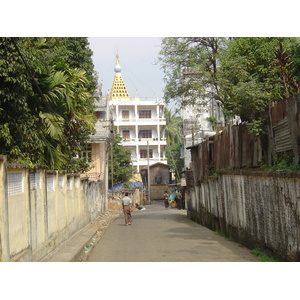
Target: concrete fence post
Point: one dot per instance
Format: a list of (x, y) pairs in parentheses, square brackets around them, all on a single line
[(4, 224)]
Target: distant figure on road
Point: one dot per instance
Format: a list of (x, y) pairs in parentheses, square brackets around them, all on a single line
[(166, 199), (126, 203), (178, 199)]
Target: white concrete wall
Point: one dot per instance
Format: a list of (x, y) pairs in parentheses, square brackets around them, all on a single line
[(255, 209), (34, 221)]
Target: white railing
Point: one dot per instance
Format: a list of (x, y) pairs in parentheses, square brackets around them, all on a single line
[(141, 120), (143, 142), (143, 161), (143, 139)]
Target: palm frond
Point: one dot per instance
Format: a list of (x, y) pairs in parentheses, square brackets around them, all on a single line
[(53, 125)]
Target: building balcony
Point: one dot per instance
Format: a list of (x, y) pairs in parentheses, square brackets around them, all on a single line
[(133, 122), (144, 161), (143, 141)]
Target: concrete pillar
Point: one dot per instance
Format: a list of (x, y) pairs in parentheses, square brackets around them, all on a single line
[(4, 227)]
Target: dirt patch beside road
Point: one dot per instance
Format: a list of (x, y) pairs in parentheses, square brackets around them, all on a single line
[(101, 224)]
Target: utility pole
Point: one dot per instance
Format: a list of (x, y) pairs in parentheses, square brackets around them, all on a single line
[(111, 156), (148, 172), (112, 166)]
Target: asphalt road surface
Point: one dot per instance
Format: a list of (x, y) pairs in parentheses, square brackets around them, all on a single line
[(165, 235)]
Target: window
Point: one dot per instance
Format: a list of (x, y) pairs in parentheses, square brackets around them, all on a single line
[(61, 181), (144, 134), (143, 153), (125, 114), (145, 114), (35, 181), (87, 154), (100, 114), (76, 182), (15, 183), (69, 183), (50, 184), (126, 134)]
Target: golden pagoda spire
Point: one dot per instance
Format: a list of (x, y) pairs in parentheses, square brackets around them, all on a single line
[(118, 90)]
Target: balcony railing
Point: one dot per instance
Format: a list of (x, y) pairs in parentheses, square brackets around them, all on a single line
[(140, 120), (143, 141), (144, 161)]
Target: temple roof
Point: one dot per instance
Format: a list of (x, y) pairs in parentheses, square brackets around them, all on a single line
[(118, 90)]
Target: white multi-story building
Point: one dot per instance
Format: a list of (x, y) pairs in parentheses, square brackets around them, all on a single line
[(140, 122), (201, 121)]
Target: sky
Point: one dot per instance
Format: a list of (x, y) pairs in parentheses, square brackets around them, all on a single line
[(138, 57)]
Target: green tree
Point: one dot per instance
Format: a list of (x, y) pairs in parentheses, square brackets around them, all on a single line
[(175, 160), (173, 127), (253, 75), (256, 72), (17, 127), (46, 105), (190, 65), (73, 121), (246, 74), (79, 56), (120, 164), (174, 141)]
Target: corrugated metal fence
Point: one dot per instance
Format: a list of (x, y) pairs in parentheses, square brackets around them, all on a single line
[(235, 148), (285, 121)]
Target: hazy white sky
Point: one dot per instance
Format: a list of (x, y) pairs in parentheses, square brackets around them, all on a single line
[(138, 58)]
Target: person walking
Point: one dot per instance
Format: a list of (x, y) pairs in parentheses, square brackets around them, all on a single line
[(166, 199), (126, 203), (179, 200)]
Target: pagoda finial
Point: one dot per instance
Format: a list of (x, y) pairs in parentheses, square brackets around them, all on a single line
[(118, 90), (117, 67)]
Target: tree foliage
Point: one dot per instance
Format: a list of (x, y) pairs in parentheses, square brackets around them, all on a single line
[(246, 74), (46, 99), (173, 127), (190, 65), (250, 76), (174, 141), (120, 164)]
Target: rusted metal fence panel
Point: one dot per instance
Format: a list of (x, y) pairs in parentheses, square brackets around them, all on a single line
[(285, 120), (232, 148), (235, 148), (278, 111), (202, 158), (282, 137), (189, 178), (293, 114)]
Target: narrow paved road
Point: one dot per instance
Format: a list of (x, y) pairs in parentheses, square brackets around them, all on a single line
[(164, 235)]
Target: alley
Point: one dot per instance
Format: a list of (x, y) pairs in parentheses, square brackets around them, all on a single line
[(165, 235)]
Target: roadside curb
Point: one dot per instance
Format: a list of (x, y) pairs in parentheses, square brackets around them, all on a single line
[(78, 247)]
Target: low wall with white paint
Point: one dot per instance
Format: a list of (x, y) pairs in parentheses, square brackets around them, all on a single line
[(256, 209), (41, 209)]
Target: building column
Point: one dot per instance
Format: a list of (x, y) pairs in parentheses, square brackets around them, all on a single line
[(117, 113), (158, 132), (137, 157), (4, 221), (136, 122)]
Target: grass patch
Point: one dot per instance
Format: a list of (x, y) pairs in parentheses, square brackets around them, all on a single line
[(284, 162), (223, 235), (263, 256)]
